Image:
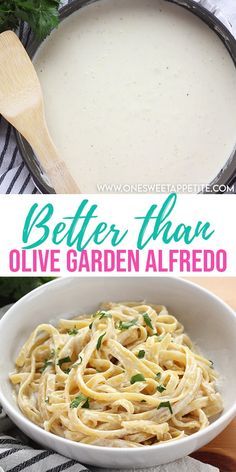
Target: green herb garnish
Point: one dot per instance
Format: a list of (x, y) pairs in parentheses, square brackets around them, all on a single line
[(137, 378), (67, 371), (100, 341), (141, 354), (122, 325), (161, 388), (99, 312), (147, 320), (90, 325), (104, 314), (46, 364), (41, 15), (86, 404), (73, 332), (64, 360), (78, 400), (165, 405), (158, 375)]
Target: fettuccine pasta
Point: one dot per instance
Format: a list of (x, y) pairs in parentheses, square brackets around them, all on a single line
[(125, 376)]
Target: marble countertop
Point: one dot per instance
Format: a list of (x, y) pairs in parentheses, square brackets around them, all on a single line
[(228, 8)]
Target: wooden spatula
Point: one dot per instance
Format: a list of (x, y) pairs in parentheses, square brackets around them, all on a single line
[(21, 103)]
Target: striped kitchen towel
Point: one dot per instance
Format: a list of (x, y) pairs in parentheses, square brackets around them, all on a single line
[(14, 175), (16, 456)]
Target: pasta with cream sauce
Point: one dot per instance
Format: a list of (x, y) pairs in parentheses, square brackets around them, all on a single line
[(125, 376)]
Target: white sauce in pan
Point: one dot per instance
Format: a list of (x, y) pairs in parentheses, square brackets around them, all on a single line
[(138, 91)]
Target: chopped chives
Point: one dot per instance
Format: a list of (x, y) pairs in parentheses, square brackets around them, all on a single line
[(122, 325), (73, 332), (147, 320), (165, 405), (100, 341), (137, 378), (78, 400), (141, 354)]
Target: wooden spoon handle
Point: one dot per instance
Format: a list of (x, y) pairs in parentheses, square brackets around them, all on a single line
[(60, 178), (21, 103), (55, 169)]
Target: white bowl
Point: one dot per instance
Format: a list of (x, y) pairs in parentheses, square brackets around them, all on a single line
[(207, 319)]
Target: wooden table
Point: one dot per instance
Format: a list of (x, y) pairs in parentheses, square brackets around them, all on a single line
[(222, 451)]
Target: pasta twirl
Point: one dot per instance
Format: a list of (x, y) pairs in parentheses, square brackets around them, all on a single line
[(126, 376)]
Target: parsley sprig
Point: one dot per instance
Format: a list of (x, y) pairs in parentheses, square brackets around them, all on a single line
[(78, 400), (165, 405), (41, 15), (104, 314), (141, 354), (99, 342), (73, 332), (122, 325), (147, 320), (137, 378)]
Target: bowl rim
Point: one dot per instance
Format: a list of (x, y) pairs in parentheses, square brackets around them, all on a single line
[(227, 174), (15, 412)]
